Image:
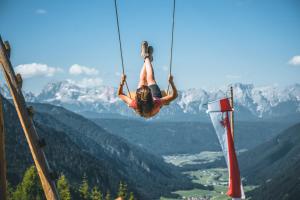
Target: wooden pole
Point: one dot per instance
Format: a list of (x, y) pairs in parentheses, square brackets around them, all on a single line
[(3, 186), (31, 135), (232, 112)]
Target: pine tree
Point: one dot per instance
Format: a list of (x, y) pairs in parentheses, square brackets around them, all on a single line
[(96, 194), (122, 190), (84, 188), (18, 194), (107, 196), (63, 188), (131, 196), (10, 191), (30, 188)]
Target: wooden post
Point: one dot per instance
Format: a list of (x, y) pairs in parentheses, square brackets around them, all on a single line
[(32, 137), (232, 112), (3, 186)]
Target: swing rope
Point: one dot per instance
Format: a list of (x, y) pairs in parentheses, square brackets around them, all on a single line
[(120, 45), (171, 49), (121, 50)]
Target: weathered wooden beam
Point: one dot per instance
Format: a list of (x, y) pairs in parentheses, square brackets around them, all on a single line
[(7, 48), (31, 135), (3, 186)]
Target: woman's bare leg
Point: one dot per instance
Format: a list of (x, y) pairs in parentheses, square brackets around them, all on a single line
[(143, 76), (150, 72)]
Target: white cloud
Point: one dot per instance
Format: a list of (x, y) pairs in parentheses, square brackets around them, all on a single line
[(41, 11), (36, 69), (89, 82), (295, 60), (78, 70)]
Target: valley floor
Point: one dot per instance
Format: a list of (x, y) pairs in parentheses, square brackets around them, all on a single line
[(215, 177)]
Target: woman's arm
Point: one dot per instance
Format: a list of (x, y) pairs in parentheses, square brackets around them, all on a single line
[(121, 95), (167, 99)]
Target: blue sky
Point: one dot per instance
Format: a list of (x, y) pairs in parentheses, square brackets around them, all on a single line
[(217, 42)]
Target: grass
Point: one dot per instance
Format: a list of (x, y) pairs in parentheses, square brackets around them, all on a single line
[(216, 177), (201, 158)]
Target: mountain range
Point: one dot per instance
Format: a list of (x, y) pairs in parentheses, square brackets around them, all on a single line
[(274, 166), (116, 145), (77, 146), (188, 137), (251, 103)]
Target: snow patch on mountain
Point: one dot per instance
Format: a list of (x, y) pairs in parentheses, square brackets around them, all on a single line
[(249, 100), (5, 92), (189, 97), (259, 101), (69, 92)]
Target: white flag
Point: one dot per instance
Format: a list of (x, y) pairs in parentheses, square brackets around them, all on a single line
[(219, 112)]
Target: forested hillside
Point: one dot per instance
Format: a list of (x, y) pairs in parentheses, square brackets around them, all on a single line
[(165, 138), (77, 146), (275, 166)]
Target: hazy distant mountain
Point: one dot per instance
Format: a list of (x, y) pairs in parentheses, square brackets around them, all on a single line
[(251, 102), (165, 138), (73, 97), (275, 166), (76, 146), (5, 91), (29, 96)]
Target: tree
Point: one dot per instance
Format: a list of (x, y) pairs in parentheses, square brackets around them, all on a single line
[(30, 188), (96, 194), (84, 188), (107, 196), (122, 190), (63, 188), (10, 191), (131, 196)]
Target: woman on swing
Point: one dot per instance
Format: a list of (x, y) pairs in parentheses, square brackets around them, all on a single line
[(148, 99)]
